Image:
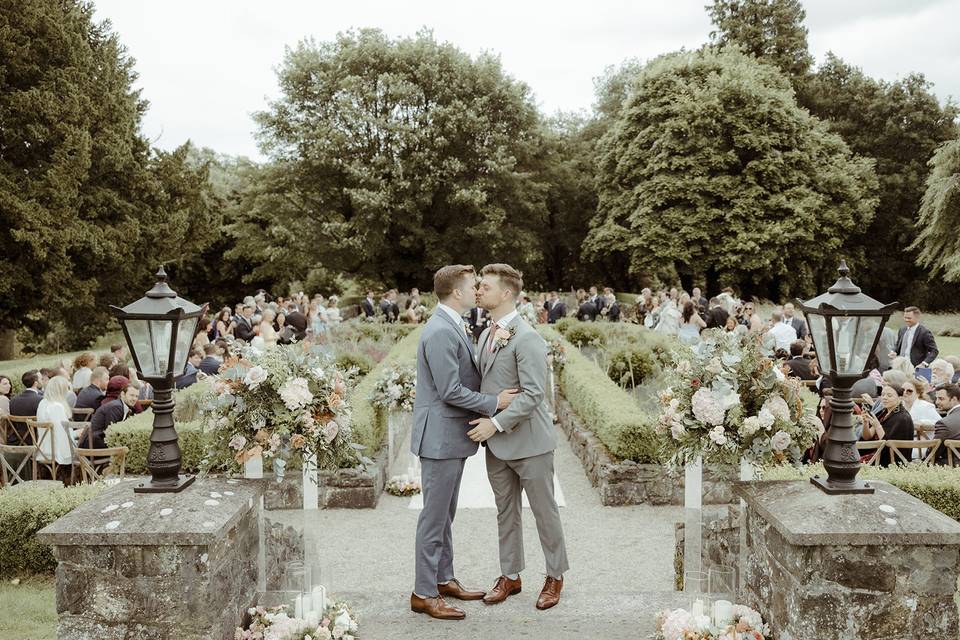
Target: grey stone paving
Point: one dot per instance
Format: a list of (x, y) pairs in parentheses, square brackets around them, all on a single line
[(621, 567)]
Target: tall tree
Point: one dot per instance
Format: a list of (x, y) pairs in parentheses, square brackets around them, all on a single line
[(938, 242), (770, 30), (399, 156), (713, 173)]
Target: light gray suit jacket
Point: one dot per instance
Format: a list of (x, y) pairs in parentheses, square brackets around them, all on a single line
[(522, 364), (448, 395)]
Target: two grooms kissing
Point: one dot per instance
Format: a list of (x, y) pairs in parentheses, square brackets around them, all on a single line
[(495, 394)]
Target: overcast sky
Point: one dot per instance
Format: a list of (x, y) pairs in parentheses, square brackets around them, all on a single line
[(206, 65)]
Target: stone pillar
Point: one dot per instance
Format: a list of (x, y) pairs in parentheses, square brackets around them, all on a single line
[(849, 567), (163, 566)]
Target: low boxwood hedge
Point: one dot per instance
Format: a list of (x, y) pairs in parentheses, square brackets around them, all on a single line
[(23, 512), (610, 412), (134, 433), (937, 486)]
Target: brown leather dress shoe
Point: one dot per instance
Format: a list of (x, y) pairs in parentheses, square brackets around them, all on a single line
[(454, 589), (435, 608), (503, 589), (550, 595)]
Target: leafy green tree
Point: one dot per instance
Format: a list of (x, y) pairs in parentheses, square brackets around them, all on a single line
[(86, 210), (899, 124), (713, 173), (394, 157), (770, 30), (938, 241)]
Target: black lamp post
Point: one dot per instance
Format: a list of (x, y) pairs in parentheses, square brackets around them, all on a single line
[(845, 325), (159, 329)]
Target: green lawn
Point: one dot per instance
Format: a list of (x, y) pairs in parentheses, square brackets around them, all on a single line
[(29, 609)]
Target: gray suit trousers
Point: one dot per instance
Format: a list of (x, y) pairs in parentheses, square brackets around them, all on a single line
[(534, 475), (440, 480)]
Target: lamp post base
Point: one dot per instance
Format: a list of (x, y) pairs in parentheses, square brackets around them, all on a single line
[(170, 487), (858, 486)]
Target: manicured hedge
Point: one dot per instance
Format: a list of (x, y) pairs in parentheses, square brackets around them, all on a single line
[(938, 486), (23, 512), (134, 433), (610, 412), (370, 423)]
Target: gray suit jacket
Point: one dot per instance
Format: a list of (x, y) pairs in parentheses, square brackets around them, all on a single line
[(448, 395), (947, 428), (522, 364)]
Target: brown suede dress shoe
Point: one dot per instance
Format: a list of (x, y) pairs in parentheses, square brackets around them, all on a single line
[(435, 608), (550, 595), (503, 589), (454, 589)]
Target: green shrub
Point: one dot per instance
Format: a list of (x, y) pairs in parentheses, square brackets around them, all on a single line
[(584, 334), (134, 433), (189, 402), (610, 412), (565, 324), (23, 512), (630, 366), (351, 359), (937, 486)]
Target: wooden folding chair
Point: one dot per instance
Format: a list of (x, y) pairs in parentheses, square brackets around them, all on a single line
[(923, 431), (23, 436), (21, 455), (97, 464), (83, 415), (953, 452), (876, 446), (43, 433), (897, 457)]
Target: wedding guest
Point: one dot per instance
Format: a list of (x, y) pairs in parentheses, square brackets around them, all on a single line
[(915, 341), (923, 412), (107, 361), (25, 404), (750, 319), (244, 329), (886, 344), (267, 333), (115, 410), (941, 372), (799, 324), (691, 324), (699, 301), (892, 423), (556, 308), (526, 310), (53, 409), (587, 310), (948, 427), (119, 352), (191, 370), (783, 333), (611, 308), (478, 320), (716, 316), (369, 309), (669, 318), (6, 388), (82, 367), (211, 362), (798, 365), (902, 364), (543, 314), (955, 363), (297, 323), (333, 311), (91, 395), (388, 306), (224, 324)]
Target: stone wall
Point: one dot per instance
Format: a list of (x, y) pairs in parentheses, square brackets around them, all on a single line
[(624, 482), (720, 537), (340, 489)]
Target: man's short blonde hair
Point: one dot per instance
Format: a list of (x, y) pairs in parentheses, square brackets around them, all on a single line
[(448, 278), (509, 277)]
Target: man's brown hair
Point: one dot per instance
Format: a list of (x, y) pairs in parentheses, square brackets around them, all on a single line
[(446, 279), (911, 310), (509, 277)]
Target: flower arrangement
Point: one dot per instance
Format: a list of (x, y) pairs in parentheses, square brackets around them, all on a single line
[(273, 623), (725, 401), (277, 402), (679, 624), (403, 486), (556, 354), (395, 389)]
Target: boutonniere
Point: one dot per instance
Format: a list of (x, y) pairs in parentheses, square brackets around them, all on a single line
[(502, 336), (466, 328)]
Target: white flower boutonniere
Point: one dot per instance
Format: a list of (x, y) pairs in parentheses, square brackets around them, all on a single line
[(503, 336)]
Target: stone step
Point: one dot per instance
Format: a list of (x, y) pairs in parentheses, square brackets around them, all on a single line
[(612, 616)]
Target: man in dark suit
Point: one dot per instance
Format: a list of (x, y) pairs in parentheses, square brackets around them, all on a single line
[(717, 315), (798, 365), (799, 324), (211, 362), (587, 311), (699, 301), (90, 396), (914, 341), (25, 404), (113, 411), (388, 306), (297, 321), (369, 310), (556, 308), (948, 427), (479, 319), (244, 329)]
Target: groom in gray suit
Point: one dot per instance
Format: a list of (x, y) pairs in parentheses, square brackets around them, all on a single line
[(448, 397), (520, 440)]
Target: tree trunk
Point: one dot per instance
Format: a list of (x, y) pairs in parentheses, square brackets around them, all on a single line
[(8, 344)]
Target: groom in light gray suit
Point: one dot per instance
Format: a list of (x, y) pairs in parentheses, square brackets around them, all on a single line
[(448, 397), (520, 440)]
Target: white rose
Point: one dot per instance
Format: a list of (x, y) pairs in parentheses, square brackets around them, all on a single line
[(766, 419), (776, 405), (255, 376), (677, 430), (718, 436), (780, 441), (295, 393), (750, 426)]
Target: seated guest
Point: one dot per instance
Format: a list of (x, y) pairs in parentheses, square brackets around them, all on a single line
[(923, 412), (783, 333), (107, 361), (903, 364), (119, 352), (82, 368), (297, 321), (90, 396), (948, 427), (116, 410), (244, 327), (6, 388), (955, 363), (798, 365), (587, 311), (941, 372), (211, 362), (189, 376), (25, 404), (892, 423), (53, 409)]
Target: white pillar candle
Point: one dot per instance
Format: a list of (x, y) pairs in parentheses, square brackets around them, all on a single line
[(253, 468), (298, 606), (697, 608), (722, 613), (319, 599)]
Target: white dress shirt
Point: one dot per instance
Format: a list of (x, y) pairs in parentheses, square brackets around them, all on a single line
[(784, 334), (453, 314), (907, 343), (502, 323)]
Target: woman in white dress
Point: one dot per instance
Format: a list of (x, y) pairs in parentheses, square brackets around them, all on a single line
[(923, 412), (333, 311), (267, 332), (691, 324), (55, 410), (526, 310), (669, 322)]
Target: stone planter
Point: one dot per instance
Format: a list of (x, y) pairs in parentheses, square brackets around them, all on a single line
[(624, 482)]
